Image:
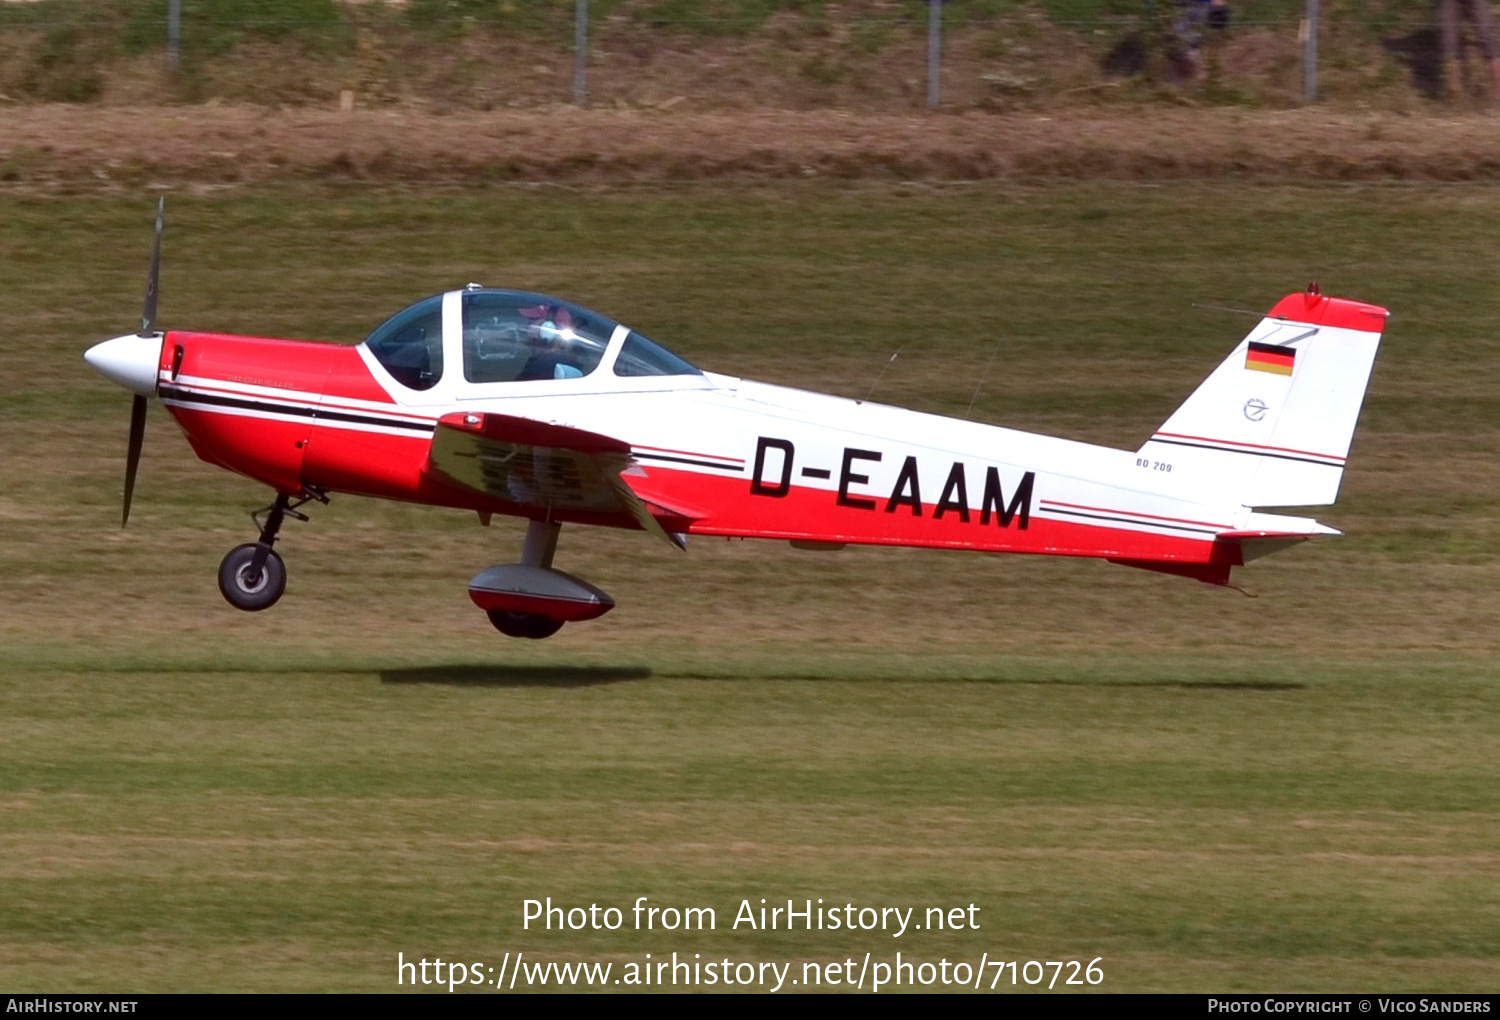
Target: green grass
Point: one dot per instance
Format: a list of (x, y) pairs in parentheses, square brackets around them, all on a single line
[(1293, 792), (295, 830)]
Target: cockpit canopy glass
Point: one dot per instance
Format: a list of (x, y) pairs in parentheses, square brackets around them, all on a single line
[(511, 336), (640, 356), (409, 345)]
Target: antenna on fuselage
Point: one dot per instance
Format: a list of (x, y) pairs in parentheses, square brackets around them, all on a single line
[(1226, 308), (983, 376), (881, 376)]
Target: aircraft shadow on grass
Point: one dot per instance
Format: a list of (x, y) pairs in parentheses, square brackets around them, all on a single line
[(490, 675), (501, 675)]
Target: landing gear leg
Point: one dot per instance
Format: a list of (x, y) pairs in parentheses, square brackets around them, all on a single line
[(252, 577), (541, 544)]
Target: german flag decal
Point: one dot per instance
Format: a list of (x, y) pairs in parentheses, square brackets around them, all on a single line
[(1270, 358)]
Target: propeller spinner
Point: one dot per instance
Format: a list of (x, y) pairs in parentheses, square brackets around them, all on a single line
[(132, 361)]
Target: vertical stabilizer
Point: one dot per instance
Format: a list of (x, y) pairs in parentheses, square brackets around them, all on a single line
[(1272, 425)]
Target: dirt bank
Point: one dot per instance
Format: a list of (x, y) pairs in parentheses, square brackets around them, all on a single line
[(81, 146)]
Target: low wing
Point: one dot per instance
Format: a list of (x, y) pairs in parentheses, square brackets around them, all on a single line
[(537, 464)]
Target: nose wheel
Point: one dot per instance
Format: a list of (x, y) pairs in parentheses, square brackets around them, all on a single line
[(249, 585), (252, 577)]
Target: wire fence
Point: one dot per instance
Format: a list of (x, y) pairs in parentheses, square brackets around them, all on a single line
[(193, 29)]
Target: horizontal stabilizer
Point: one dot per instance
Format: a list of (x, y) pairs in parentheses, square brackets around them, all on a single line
[(1264, 534), (1252, 545)]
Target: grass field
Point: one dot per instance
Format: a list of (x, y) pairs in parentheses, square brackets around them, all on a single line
[(1211, 792)]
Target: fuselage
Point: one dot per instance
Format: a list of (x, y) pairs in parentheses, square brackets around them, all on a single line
[(712, 455)]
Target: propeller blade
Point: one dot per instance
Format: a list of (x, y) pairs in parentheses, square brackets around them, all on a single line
[(148, 311), (133, 454)]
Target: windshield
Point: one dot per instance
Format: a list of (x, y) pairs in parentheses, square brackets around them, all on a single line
[(409, 345), (640, 356)]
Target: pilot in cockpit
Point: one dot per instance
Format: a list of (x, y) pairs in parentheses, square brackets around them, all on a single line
[(551, 336)]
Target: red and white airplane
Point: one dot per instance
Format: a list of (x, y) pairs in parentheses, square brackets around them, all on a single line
[(505, 402)]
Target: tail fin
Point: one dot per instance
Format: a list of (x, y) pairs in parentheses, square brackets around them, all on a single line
[(1271, 426)]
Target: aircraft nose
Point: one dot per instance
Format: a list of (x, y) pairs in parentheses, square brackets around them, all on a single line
[(129, 360)]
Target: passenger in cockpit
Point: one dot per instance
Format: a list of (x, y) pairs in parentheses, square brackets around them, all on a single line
[(551, 334)]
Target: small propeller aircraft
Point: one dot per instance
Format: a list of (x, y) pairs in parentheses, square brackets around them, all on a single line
[(508, 402)]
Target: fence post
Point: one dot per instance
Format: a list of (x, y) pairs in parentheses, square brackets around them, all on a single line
[(174, 34), (580, 50), (1310, 53), (934, 51)]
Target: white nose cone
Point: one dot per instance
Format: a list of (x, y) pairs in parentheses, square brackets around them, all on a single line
[(129, 360)]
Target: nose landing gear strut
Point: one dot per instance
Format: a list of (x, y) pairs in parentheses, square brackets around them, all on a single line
[(252, 576)]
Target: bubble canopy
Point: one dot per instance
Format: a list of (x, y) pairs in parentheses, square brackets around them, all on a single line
[(515, 336)]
